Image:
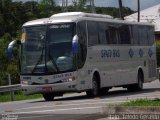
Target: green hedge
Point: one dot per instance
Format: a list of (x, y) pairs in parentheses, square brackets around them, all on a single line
[(158, 52)]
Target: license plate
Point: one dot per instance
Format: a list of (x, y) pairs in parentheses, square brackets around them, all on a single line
[(47, 89)]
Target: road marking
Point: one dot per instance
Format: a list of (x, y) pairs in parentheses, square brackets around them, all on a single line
[(108, 118), (70, 105), (45, 111), (68, 109), (93, 102), (111, 97), (39, 116)]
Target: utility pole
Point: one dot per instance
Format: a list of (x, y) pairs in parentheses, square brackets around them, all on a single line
[(66, 8), (138, 7), (64, 5), (92, 6), (120, 9)]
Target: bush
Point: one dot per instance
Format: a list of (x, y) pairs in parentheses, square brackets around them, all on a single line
[(5, 66), (158, 52)]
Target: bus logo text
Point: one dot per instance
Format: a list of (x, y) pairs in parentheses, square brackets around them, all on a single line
[(115, 53)]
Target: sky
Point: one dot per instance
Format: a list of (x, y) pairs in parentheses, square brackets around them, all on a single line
[(114, 3)]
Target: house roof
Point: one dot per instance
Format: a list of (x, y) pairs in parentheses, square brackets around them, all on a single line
[(151, 15)]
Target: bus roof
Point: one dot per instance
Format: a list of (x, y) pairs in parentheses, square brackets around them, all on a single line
[(76, 16)]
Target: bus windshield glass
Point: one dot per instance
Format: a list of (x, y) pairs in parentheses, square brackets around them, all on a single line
[(47, 49)]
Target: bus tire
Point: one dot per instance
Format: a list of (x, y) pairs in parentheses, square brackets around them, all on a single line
[(48, 96), (139, 85), (95, 88), (104, 91)]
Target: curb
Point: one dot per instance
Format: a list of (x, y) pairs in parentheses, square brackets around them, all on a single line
[(130, 110)]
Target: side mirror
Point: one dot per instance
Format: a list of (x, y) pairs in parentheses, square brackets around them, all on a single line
[(75, 45), (10, 48)]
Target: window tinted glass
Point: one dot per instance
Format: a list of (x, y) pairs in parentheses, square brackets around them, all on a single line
[(102, 28), (92, 33), (124, 34), (113, 34), (143, 38), (150, 35), (135, 34), (142, 35), (60, 33)]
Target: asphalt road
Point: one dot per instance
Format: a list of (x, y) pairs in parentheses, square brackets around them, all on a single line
[(75, 106)]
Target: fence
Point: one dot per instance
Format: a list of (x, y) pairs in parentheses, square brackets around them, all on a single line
[(10, 88)]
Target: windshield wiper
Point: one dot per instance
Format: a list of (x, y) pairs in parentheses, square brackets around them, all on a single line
[(39, 60), (53, 62)]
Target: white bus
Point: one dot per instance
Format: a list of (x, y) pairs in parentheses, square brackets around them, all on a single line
[(77, 52)]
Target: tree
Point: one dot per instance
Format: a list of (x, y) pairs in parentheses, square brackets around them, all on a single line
[(79, 5), (30, 11), (6, 16), (46, 7)]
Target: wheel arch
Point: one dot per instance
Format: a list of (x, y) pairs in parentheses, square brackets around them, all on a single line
[(140, 71), (97, 74)]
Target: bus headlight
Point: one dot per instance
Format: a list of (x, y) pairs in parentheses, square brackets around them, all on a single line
[(69, 79), (26, 82)]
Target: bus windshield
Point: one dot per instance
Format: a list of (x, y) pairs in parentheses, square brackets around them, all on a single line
[(47, 49)]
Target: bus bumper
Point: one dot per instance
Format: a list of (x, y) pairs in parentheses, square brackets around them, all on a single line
[(54, 88)]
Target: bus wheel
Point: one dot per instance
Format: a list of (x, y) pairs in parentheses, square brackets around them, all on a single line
[(138, 86), (104, 91), (140, 81), (48, 96), (95, 88)]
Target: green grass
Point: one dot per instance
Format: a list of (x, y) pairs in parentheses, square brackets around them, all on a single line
[(18, 96), (141, 102)]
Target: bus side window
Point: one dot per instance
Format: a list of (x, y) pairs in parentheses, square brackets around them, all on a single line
[(102, 36), (150, 36), (143, 38), (113, 35), (92, 33), (124, 34), (135, 33)]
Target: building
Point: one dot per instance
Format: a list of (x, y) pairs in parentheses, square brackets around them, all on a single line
[(151, 15)]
